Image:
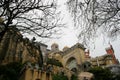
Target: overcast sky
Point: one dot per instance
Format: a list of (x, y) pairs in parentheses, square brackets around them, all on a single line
[(69, 36)]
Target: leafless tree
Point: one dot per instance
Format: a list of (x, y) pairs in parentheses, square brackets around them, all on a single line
[(92, 16), (38, 17)]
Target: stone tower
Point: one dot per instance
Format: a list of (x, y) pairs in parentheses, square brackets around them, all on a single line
[(55, 47), (87, 54)]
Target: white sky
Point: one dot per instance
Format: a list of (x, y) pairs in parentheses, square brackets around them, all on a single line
[(69, 38)]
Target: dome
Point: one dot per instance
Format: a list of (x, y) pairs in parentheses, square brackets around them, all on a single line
[(54, 47), (54, 44), (65, 48), (57, 55)]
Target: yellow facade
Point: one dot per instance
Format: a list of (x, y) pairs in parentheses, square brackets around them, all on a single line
[(76, 52), (76, 55), (15, 48), (34, 74), (69, 57), (102, 61)]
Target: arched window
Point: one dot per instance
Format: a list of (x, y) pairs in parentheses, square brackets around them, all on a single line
[(72, 64)]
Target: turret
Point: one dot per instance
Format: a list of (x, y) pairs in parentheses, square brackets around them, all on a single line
[(110, 51), (54, 47), (87, 54)]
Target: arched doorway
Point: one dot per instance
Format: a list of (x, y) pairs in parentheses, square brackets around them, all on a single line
[(72, 64)]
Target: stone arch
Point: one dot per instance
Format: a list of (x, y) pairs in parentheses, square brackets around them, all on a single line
[(71, 64)]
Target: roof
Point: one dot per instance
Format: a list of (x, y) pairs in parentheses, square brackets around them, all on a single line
[(43, 44), (101, 57), (77, 45)]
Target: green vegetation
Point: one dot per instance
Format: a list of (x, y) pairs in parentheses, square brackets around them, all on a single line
[(10, 71), (54, 62), (63, 77), (74, 77), (101, 74), (116, 77), (59, 77)]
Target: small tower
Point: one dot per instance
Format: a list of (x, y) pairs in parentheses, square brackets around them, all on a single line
[(87, 54), (54, 47), (110, 51)]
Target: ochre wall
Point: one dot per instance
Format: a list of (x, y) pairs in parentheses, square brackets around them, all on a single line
[(34, 74), (77, 53)]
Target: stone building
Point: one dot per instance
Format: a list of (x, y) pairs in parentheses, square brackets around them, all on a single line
[(105, 60), (85, 76), (110, 51), (71, 58), (102, 61), (77, 59), (15, 48)]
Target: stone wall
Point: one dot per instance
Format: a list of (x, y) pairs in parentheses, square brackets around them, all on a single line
[(13, 47), (103, 61), (35, 74)]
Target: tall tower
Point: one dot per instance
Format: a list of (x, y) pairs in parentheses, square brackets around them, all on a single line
[(110, 51)]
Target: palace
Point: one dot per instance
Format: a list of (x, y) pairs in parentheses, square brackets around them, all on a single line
[(41, 63), (78, 60), (15, 48)]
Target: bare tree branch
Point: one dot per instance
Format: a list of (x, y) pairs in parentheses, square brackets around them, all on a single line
[(94, 15), (31, 16)]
